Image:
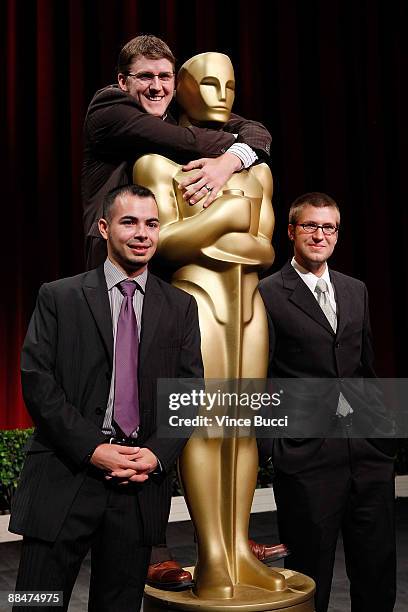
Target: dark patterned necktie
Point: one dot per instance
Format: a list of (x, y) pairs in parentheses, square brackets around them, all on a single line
[(126, 407)]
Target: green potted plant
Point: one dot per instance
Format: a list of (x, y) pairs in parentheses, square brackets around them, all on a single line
[(12, 444)]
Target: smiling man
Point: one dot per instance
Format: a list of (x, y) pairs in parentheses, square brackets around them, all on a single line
[(131, 230), (320, 328), (150, 82), (314, 235), (96, 475), (127, 120)]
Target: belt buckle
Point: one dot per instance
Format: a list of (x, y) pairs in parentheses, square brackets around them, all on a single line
[(122, 441)]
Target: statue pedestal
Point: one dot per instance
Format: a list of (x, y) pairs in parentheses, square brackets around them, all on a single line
[(298, 597)]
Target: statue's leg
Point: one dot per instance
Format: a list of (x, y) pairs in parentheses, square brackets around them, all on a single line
[(249, 569), (201, 468), (201, 476), (255, 347)]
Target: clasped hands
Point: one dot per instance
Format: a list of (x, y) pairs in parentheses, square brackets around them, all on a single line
[(125, 463), (212, 175)]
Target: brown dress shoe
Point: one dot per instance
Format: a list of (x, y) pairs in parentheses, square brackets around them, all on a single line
[(169, 576), (268, 554)]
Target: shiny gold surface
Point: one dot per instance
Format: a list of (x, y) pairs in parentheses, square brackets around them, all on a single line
[(206, 88), (298, 597), (216, 254)]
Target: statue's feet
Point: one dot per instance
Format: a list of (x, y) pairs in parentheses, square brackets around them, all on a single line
[(253, 572), (212, 580)]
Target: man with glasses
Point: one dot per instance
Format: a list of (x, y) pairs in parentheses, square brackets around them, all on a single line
[(319, 328), (130, 119)]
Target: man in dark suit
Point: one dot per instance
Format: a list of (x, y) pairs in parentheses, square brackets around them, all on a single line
[(319, 328), (130, 119), (96, 473)]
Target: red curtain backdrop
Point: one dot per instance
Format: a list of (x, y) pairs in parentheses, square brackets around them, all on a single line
[(328, 79)]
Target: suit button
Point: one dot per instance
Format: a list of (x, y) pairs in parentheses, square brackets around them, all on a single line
[(98, 410), (337, 345)]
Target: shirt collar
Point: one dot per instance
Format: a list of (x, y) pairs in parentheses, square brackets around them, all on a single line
[(311, 279), (113, 276)]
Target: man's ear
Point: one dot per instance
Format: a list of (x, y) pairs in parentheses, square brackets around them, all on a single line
[(291, 231), (122, 81), (103, 228)]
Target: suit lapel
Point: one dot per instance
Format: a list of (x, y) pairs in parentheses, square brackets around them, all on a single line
[(152, 307), (343, 300), (96, 294), (301, 296)]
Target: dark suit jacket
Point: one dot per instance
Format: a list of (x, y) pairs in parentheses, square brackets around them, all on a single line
[(303, 344), (117, 132), (66, 372)]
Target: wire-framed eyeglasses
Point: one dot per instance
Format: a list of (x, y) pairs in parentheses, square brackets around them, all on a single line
[(148, 77), (310, 228)]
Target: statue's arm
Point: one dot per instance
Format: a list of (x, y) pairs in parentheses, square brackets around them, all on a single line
[(182, 240), (267, 216)]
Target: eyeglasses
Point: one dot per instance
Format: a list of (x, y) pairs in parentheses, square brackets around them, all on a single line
[(148, 77), (327, 228)]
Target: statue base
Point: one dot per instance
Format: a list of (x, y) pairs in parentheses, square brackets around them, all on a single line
[(298, 597)]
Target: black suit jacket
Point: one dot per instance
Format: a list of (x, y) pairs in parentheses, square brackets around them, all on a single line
[(117, 132), (303, 345), (66, 372)]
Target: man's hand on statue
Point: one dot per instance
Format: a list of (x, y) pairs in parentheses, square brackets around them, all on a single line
[(212, 176)]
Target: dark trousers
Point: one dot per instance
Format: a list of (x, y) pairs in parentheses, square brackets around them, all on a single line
[(160, 553), (347, 486), (106, 519)]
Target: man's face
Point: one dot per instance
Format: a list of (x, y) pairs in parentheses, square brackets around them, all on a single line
[(132, 232), (206, 89), (313, 250), (153, 85)]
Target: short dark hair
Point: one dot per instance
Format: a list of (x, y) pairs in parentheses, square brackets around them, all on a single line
[(147, 45), (133, 189), (313, 198)]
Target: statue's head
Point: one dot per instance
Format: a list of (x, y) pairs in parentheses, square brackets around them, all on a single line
[(206, 87)]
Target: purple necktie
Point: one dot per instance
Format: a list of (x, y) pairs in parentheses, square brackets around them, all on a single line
[(126, 408)]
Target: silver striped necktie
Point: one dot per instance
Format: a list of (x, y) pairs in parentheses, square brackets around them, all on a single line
[(322, 291)]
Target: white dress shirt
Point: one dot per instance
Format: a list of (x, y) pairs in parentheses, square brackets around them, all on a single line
[(311, 279)]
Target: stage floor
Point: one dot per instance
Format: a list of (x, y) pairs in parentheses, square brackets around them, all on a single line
[(263, 528)]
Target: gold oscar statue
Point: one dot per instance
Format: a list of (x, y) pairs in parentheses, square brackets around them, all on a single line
[(216, 253)]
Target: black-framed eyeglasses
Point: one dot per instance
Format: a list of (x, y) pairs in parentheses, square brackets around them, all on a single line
[(148, 77), (327, 228)]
